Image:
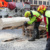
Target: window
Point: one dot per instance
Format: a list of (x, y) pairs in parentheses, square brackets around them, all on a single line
[(35, 1), (8, 0), (47, 3), (31, 1), (44, 2), (40, 2), (20, 0), (27, 0), (14, 0), (23, 0)]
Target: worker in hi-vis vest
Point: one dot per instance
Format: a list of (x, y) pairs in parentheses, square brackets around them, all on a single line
[(46, 13), (34, 16)]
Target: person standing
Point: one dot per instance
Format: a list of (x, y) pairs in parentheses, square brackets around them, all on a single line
[(42, 9)]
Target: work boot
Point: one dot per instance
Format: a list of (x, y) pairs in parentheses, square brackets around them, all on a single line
[(32, 39), (37, 37)]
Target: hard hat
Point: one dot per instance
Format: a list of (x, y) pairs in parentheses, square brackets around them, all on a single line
[(41, 9), (27, 14)]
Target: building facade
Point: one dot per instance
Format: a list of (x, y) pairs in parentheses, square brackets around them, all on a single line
[(39, 2), (35, 2), (21, 0)]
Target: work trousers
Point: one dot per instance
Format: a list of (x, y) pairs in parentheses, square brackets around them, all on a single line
[(36, 29), (48, 44)]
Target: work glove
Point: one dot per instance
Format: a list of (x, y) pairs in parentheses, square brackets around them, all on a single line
[(25, 24)]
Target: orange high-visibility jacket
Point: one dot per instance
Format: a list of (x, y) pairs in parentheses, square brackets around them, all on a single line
[(3, 5)]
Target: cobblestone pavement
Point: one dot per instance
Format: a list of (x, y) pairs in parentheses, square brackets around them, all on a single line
[(24, 44)]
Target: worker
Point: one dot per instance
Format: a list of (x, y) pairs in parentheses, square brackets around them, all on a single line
[(42, 9), (34, 16)]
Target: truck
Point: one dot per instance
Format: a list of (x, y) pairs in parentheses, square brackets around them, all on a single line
[(13, 9)]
